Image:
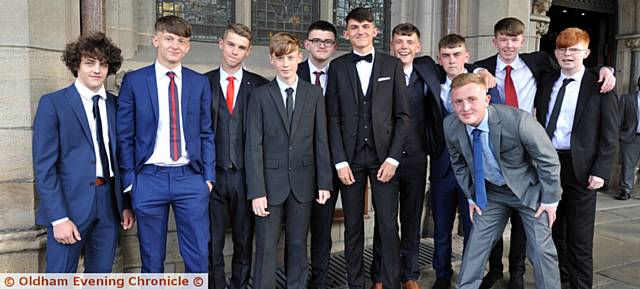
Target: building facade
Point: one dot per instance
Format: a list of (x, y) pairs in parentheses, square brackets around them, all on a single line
[(35, 32)]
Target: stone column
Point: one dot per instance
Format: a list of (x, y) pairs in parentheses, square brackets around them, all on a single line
[(634, 72), (538, 24), (92, 16), (450, 17)]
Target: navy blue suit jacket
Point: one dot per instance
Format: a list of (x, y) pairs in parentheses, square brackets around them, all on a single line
[(64, 159), (138, 122)]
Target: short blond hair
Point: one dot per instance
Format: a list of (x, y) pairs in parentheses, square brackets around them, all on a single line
[(468, 78), (283, 43)]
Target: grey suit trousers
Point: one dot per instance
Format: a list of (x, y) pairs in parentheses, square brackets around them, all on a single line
[(630, 156), (488, 228)]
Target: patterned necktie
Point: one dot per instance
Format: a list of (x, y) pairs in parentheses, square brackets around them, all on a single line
[(553, 118), (289, 92), (511, 98), (318, 73), (230, 93), (478, 170), (174, 118), (104, 160)]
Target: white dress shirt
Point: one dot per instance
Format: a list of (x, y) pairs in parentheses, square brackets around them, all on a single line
[(161, 155), (562, 136), (323, 77), (523, 81), (407, 74), (283, 86), (365, 69), (86, 95), (236, 83)]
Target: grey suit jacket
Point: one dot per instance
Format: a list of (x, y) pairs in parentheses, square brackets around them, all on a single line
[(282, 158), (526, 157)]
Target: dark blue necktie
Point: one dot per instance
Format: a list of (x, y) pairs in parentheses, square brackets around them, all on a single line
[(104, 160), (478, 170)]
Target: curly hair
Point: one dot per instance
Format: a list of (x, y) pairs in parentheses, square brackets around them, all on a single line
[(94, 45)]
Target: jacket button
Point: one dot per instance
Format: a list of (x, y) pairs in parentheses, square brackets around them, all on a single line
[(93, 162), (92, 183), (289, 169), (290, 148)]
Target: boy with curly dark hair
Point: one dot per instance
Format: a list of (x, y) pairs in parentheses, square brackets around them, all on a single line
[(75, 164)]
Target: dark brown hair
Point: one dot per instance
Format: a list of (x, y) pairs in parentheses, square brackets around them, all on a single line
[(94, 45), (405, 29), (174, 25), (509, 26), (451, 41)]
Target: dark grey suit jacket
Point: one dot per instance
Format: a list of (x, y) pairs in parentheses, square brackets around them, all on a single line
[(526, 157), (629, 119), (280, 158)]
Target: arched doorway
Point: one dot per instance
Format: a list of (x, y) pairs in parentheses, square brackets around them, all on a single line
[(597, 17)]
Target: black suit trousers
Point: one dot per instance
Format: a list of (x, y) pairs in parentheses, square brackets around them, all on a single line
[(574, 227), (413, 177), (230, 201), (385, 203)]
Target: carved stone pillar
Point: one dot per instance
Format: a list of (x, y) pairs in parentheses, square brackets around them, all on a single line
[(450, 16), (634, 73), (92, 16), (539, 22)]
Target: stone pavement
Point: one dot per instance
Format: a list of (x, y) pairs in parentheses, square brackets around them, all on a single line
[(616, 254)]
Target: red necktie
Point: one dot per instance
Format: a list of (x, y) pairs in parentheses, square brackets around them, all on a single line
[(230, 92), (318, 73), (511, 98), (174, 118)]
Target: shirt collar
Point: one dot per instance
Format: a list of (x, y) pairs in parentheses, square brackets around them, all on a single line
[(447, 81), (577, 77), (284, 86), (224, 74), (408, 71), (87, 93), (313, 68), (161, 70), (516, 64), (483, 126)]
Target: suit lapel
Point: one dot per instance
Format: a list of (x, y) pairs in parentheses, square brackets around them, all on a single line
[(465, 145), (583, 96), (111, 120), (75, 102), (375, 72), (216, 91), (186, 92), (298, 107), (495, 131), (546, 99), (152, 88), (276, 96), (493, 63), (353, 76)]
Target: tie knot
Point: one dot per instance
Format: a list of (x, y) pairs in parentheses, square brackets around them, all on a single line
[(171, 74), (358, 58), (476, 132), (230, 78), (318, 72), (289, 91), (508, 68), (95, 98), (566, 81)]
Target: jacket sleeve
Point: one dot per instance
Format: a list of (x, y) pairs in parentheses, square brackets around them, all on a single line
[(207, 136), (126, 131), (400, 113), (334, 116), (254, 163)]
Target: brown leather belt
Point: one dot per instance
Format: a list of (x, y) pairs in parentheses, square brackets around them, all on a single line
[(100, 181)]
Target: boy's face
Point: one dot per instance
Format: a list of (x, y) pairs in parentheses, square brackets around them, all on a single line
[(235, 49), (171, 48), (508, 46), (360, 34), (320, 52), (405, 47), (453, 60), (92, 73), (470, 103), (571, 58), (286, 65)]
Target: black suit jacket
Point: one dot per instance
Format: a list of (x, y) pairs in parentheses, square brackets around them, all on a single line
[(629, 118), (389, 105), (250, 81), (594, 133), (282, 158), (433, 75), (303, 71)]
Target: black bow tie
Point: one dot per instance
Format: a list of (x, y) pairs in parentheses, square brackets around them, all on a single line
[(357, 58)]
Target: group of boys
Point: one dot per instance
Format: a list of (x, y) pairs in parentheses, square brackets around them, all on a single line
[(283, 149)]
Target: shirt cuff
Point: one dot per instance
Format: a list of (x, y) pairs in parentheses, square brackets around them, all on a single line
[(341, 165), (471, 202), (128, 189), (552, 205), (59, 221), (392, 161)]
